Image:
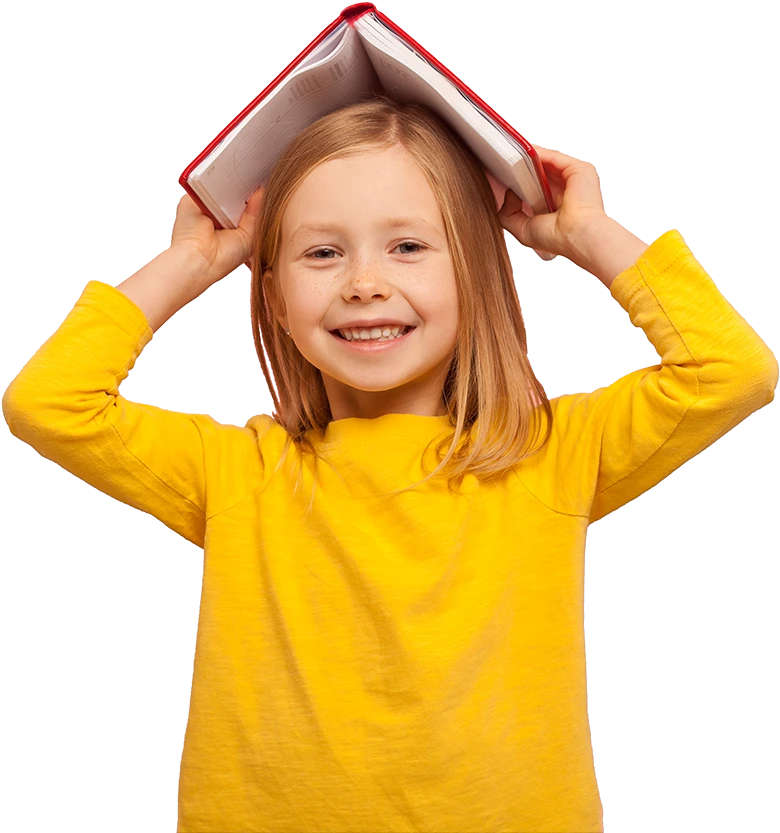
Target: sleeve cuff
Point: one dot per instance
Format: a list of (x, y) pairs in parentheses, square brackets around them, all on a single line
[(116, 306), (659, 256)]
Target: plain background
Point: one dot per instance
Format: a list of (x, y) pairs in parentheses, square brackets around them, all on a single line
[(100, 109)]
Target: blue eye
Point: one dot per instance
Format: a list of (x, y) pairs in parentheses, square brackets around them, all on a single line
[(316, 252)]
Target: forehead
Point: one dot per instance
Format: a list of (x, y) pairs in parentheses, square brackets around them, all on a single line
[(379, 188)]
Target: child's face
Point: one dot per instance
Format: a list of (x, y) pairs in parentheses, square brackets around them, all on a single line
[(361, 268)]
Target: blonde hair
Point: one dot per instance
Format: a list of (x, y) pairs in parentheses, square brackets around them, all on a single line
[(490, 389)]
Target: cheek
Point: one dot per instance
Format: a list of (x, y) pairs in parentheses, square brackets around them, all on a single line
[(449, 300), (439, 310), (304, 301)]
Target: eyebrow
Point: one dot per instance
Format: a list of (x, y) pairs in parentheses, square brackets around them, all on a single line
[(390, 223)]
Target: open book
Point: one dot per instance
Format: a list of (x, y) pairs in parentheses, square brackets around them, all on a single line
[(359, 54)]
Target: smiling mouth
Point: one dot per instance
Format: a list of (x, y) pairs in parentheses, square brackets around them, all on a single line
[(408, 329)]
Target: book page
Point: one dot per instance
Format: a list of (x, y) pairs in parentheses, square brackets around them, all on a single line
[(337, 73), (407, 76), (323, 49)]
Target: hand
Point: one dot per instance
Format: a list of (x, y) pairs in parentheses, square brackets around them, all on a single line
[(222, 250), (576, 192)]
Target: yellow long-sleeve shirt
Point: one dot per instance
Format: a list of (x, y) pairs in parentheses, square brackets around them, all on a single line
[(414, 663)]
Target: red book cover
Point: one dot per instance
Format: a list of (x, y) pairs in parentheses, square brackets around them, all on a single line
[(349, 16)]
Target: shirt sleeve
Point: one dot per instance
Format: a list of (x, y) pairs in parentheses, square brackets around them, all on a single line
[(613, 444), (66, 404)]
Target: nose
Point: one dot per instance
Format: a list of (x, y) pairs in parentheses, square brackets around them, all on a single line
[(366, 277)]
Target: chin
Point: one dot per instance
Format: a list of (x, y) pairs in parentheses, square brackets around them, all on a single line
[(368, 381)]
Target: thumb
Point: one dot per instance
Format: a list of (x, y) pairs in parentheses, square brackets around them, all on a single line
[(248, 219), (516, 218)]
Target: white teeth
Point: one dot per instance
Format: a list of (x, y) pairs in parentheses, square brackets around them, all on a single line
[(375, 334)]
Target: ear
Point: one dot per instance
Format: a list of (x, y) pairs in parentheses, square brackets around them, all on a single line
[(499, 189)]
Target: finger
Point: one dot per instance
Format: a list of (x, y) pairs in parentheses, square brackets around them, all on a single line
[(556, 159), (248, 219), (255, 198), (188, 207), (498, 188), (583, 187)]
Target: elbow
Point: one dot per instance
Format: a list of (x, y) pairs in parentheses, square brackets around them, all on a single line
[(35, 412), (11, 408), (758, 374), (766, 375), (21, 414), (770, 388), (772, 376)]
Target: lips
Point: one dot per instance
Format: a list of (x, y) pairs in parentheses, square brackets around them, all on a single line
[(407, 329), (359, 345)]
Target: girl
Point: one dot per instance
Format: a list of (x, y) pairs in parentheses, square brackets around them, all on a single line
[(404, 650)]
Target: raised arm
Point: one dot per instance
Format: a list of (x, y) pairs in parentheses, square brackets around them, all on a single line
[(65, 403)]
